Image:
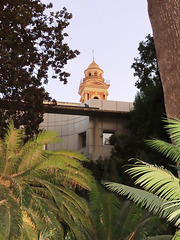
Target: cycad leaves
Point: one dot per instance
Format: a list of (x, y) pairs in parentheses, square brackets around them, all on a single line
[(173, 129), (32, 151), (10, 216), (37, 189), (161, 183), (161, 187), (169, 150), (141, 197), (176, 236), (105, 210), (161, 237), (156, 180)]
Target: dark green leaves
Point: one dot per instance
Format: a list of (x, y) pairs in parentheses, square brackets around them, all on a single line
[(31, 42)]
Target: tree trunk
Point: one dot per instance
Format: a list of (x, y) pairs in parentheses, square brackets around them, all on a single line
[(165, 20)]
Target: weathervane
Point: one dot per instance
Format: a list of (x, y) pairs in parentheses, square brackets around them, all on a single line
[(93, 54)]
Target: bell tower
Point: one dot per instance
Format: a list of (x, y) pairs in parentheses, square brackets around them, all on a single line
[(93, 85)]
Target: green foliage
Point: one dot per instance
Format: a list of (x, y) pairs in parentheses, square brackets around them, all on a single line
[(149, 102), (176, 236), (115, 218), (145, 120), (31, 41), (161, 188), (37, 189)]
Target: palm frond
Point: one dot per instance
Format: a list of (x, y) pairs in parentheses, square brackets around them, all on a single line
[(32, 152), (66, 201), (40, 183), (173, 129), (145, 199), (160, 237), (13, 138), (156, 180), (28, 230), (65, 168), (4, 220), (167, 149), (10, 216), (13, 141), (2, 156), (74, 155), (176, 236), (44, 215), (46, 137)]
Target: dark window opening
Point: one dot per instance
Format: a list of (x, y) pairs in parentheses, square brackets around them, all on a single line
[(96, 98), (82, 140), (106, 137), (89, 74)]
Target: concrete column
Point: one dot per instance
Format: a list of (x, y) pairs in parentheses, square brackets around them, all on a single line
[(85, 97), (96, 135)]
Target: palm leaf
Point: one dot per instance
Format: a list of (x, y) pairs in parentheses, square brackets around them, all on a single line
[(173, 129), (33, 151), (105, 209), (156, 180), (36, 189), (67, 168), (167, 149), (161, 237), (145, 199), (13, 141), (74, 155), (46, 137), (4, 220), (176, 236), (10, 216), (2, 156), (13, 138)]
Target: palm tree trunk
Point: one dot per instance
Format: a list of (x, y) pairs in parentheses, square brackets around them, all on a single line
[(165, 20)]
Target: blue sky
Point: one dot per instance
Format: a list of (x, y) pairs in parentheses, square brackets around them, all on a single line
[(113, 29)]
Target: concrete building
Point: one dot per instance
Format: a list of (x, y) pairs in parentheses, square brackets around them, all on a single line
[(87, 126)]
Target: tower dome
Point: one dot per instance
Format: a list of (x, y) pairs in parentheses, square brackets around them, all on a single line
[(93, 85), (93, 65), (93, 69)]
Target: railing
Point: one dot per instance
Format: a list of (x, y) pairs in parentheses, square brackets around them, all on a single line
[(105, 80)]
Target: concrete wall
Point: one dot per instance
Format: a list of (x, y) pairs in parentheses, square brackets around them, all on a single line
[(73, 128), (98, 126), (68, 127), (110, 105)]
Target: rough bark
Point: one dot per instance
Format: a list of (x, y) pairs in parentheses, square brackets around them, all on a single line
[(165, 20)]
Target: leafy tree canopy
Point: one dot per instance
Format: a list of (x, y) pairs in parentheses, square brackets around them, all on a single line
[(146, 117), (31, 41), (149, 102)]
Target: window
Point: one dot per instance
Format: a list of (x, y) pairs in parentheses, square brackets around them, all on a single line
[(106, 137), (96, 98), (82, 140), (89, 74)]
